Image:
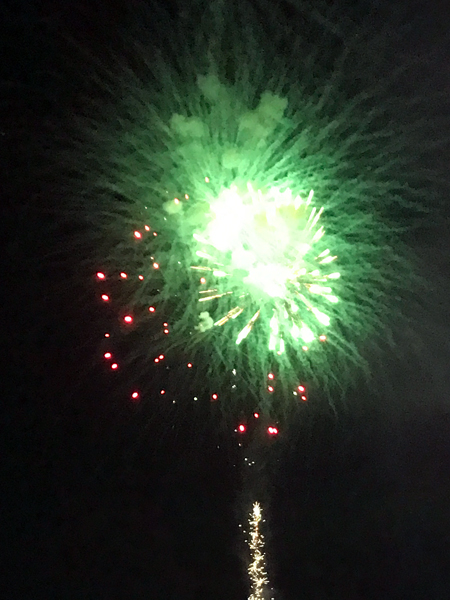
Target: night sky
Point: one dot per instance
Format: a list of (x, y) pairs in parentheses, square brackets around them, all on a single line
[(103, 499)]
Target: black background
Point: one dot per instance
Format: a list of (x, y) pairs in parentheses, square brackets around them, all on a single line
[(99, 501)]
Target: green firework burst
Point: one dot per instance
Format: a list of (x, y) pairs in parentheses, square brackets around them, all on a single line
[(258, 194)]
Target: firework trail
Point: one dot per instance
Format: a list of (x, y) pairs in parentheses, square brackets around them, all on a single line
[(256, 570)]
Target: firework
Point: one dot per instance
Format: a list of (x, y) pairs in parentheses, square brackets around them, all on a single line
[(256, 569), (257, 248), (249, 200)]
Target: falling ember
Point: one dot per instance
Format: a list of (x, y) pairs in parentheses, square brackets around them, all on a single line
[(135, 396), (128, 319), (256, 569), (101, 275), (151, 309), (105, 297), (137, 235), (114, 366), (107, 355), (123, 275)]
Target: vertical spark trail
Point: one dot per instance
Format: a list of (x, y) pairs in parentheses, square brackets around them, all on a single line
[(256, 569)]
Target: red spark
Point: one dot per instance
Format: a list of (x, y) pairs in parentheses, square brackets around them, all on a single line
[(101, 275), (105, 297), (137, 235)]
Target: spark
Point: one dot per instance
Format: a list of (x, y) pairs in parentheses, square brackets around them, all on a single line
[(265, 243), (256, 569)]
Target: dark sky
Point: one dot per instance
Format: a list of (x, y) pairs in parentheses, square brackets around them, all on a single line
[(101, 499)]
